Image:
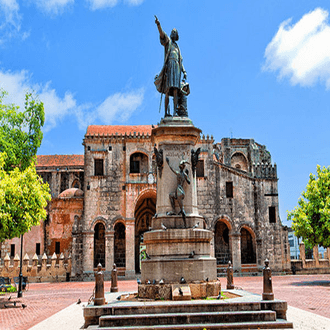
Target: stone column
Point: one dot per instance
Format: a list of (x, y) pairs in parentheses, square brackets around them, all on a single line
[(109, 250), (316, 256), (130, 248), (88, 251), (235, 242)]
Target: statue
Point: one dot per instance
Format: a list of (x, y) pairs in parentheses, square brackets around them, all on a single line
[(159, 160), (182, 110), (178, 194), (168, 82), (194, 158)]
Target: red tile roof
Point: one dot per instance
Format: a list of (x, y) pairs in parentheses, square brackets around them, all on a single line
[(119, 129), (60, 160)]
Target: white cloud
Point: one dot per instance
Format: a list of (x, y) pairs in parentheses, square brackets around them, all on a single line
[(10, 19), (119, 106), (53, 7), (301, 51), (101, 4), (134, 2)]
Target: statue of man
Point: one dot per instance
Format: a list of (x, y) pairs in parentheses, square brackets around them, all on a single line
[(168, 81), (178, 194)]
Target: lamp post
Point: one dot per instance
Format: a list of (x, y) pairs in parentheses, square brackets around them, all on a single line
[(20, 293)]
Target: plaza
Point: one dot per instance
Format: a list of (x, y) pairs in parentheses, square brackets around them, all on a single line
[(54, 305)]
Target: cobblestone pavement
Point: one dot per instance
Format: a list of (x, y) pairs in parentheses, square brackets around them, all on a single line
[(309, 293)]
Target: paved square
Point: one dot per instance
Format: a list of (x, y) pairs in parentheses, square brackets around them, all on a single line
[(309, 293)]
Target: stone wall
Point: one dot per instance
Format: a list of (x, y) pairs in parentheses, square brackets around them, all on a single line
[(48, 269), (253, 205), (317, 265)]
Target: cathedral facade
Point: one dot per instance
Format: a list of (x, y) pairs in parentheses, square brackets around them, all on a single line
[(103, 202)]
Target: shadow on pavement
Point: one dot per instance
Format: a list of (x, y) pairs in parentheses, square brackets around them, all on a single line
[(311, 283)]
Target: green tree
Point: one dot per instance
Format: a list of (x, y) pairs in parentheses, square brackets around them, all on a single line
[(20, 131), (311, 218), (23, 195), (23, 200)]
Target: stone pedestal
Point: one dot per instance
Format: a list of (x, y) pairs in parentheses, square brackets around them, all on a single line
[(175, 251)]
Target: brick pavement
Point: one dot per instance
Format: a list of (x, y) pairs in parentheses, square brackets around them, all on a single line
[(310, 293)]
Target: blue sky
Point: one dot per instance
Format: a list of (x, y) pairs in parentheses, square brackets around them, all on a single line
[(256, 69)]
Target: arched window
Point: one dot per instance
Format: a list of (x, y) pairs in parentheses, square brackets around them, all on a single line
[(99, 245), (138, 163), (120, 245), (221, 240), (239, 161), (248, 254)]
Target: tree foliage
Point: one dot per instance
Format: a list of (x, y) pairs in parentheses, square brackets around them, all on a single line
[(23, 195), (23, 200), (311, 218), (20, 131)]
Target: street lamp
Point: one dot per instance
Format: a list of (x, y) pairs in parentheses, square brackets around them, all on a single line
[(19, 292)]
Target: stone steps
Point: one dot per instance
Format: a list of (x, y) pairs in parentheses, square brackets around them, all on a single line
[(278, 324), (184, 318), (247, 311)]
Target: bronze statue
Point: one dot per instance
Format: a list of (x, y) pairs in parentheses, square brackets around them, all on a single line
[(178, 194), (168, 82), (182, 107), (194, 158), (159, 160)]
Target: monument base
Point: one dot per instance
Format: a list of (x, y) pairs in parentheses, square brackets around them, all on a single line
[(165, 291), (172, 270)]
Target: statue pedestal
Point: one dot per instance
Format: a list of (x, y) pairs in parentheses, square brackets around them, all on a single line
[(177, 252)]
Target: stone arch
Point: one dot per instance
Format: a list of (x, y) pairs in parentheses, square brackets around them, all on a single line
[(120, 244), (248, 245), (224, 218), (222, 241), (144, 210), (76, 184), (113, 222), (239, 161), (98, 220)]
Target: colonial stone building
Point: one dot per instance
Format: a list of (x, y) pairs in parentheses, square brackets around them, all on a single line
[(103, 203)]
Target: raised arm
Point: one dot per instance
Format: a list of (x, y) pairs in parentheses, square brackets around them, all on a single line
[(168, 162), (186, 176), (161, 32)]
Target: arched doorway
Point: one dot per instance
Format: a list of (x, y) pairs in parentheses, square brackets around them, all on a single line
[(99, 244), (144, 211), (221, 243), (120, 245), (248, 252)]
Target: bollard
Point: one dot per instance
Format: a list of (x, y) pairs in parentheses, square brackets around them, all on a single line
[(99, 287), (268, 286), (114, 279), (230, 277)]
